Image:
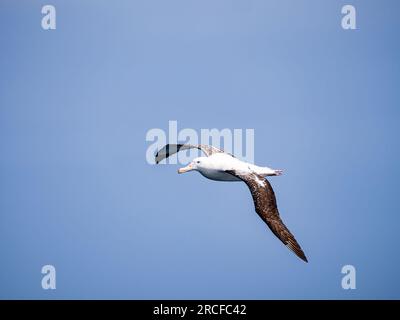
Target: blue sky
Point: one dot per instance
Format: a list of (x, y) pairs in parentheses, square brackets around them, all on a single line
[(76, 191)]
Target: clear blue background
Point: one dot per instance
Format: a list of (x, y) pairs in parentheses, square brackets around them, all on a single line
[(76, 190)]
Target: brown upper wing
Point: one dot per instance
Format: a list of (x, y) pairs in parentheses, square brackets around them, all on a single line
[(266, 207), (170, 149)]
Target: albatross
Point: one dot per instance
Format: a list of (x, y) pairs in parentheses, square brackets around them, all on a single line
[(221, 166)]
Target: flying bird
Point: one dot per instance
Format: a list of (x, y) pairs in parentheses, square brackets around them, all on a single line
[(221, 166)]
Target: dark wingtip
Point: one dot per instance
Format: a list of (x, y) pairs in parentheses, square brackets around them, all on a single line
[(301, 255), (296, 249), (156, 156)]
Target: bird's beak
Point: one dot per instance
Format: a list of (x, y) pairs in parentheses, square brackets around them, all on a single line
[(189, 167)]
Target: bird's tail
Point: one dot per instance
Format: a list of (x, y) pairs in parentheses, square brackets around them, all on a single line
[(266, 172)]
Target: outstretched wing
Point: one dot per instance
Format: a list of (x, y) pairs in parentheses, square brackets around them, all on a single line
[(170, 149), (266, 207)]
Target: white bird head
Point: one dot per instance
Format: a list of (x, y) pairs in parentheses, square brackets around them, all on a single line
[(196, 164)]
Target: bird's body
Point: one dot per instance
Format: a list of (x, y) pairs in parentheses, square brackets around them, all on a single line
[(215, 166), (221, 166)]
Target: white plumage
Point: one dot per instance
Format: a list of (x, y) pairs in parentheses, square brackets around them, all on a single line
[(215, 166)]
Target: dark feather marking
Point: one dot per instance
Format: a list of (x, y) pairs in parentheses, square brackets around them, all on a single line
[(265, 205), (171, 149)]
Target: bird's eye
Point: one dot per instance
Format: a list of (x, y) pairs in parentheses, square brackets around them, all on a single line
[(197, 161)]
